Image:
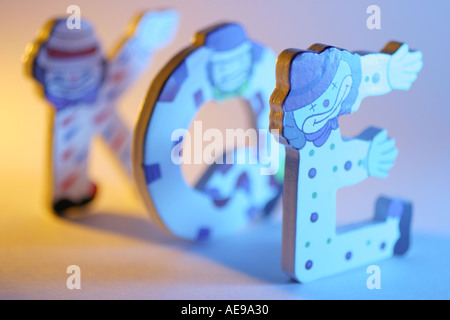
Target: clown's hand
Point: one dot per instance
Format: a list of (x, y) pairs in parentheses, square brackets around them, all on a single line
[(382, 155), (156, 29), (404, 67)]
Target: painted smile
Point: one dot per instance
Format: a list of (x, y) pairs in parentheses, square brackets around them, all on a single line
[(316, 121), (326, 115), (236, 76)]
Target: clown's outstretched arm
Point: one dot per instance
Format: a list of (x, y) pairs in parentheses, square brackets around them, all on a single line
[(149, 32), (372, 153), (394, 68)]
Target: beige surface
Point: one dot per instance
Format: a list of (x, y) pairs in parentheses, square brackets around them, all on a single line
[(123, 256)]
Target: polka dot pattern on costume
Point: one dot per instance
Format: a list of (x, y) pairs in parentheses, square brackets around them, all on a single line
[(376, 78), (348, 165)]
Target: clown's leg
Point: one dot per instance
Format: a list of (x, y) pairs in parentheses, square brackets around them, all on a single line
[(71, 142), (241, 181), (320, 254), (116, 134)]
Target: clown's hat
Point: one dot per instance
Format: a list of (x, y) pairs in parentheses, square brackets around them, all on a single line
[(66, 46)]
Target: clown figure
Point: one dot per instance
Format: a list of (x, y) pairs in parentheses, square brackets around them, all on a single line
[(231, 67), (82, 87), (314, 88), (220, 64)]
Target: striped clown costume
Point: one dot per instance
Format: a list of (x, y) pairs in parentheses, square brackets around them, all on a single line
[(83, 88)]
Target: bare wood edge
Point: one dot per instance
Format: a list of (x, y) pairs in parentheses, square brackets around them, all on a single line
[(144, 119), (50, 162), (146, 113), (290, 195), (391, 47), (290, 198), (279, 95), (198, 40), (31, 51), (130, 30), (319, 47)]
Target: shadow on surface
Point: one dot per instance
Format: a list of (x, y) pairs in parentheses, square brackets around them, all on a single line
[(128, 226), (421, 274), (255, 252)]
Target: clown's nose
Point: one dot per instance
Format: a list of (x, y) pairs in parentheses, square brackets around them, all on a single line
[(73, 77)]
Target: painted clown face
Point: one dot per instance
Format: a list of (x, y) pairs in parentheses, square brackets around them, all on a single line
[(230, 69), (73, 82), (313, 117)]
